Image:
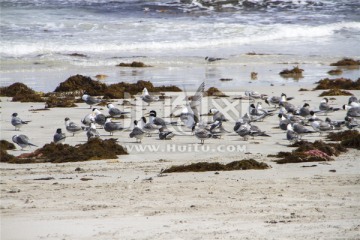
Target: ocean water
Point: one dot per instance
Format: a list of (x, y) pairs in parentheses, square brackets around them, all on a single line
[(40, 37)]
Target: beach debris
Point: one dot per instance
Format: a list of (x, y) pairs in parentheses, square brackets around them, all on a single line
[(101, 76), (44, 178), (134, 64), (348, 138), (335, 72), (226, 79), (56, 100), (335, 92), (215, 166), (79, 169), (79, 83), (77, 55), (5, 145), (332, 170), (295, 73), (303, 89), (85, 179), (253, 75), (21, 93), (346, 62), (94, 149), (317, 151), (338, 83), (213, 91)]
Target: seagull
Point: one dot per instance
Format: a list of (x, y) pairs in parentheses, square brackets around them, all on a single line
[(284, 122), (320, 126), (72, 127), (241, 121), (325, 107), (190, 115), (99, 117), (146, 97), (353, 101), (217, 115), (17, 122), (59, 136), (258, 113), (314, 117), (111, 127), (247, 129), (305, 110), (213, 59), (22, 141), (217, 129), (148, 127), (88, 119), (201, 133), (137, 132), (156, 120), (351, 123), (291, 135), (352, 111), (301, 130), (115, 112), (275, 100), (165, 135), (89, 100), (288, 106), (92, 132), (336, 124)]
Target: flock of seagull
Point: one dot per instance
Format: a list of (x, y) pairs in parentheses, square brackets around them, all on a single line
[(295, 121)]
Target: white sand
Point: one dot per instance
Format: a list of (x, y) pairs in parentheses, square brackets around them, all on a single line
[(122, 202)]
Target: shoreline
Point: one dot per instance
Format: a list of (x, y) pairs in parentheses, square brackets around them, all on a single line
[(127, 198)]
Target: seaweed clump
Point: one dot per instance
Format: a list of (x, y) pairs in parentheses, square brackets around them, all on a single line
[(60, 101), (79, 83), (213, 91), (6, 145), (335, 72), (335, 92), (215, 166), (118, 90), (310, 152), (94, 149), (21, 93), (346, 62), (296, 72), (133, 64), (348, 138), (338, 83)]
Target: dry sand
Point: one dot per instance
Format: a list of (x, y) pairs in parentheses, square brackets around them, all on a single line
[(126, 198)]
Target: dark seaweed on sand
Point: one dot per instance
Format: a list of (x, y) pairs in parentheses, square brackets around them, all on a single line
[(133, 64), (95, 149), (335, 92), (348, 138), (215, 166), (21, 93), (79, 83), (346, 62), (213, 91), (5, 145), (338, 83), (295, 72), (310, 152)]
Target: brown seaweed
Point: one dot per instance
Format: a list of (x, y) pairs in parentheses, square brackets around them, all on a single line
[(335, 92), (21, 93), (348, 138), (79, 83), (338, 83), (215, 166), (5, 145), (213, 91), (94, 149), (310, 152), (296, 72), (335, 72), (346, 62), (133, 64)]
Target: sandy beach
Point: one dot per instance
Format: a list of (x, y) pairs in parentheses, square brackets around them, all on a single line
[(127, 198)]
